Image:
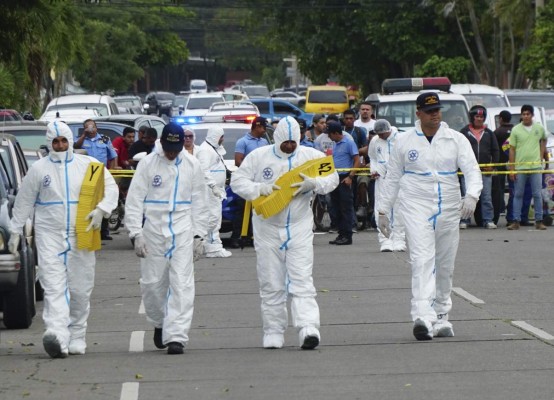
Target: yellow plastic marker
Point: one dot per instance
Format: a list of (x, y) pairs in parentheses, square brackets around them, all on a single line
[(246, 218), (268, 206), (92, 192)]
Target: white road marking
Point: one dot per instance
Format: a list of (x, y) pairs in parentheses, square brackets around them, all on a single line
[(141, 308), (137, 341), (468, 296), (129, 391), (531, 329)]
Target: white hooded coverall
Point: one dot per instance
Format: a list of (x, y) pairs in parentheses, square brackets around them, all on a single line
[(210, 154), (423, 176), (171, 195), (51, 188), (379, 151), (283, 242)]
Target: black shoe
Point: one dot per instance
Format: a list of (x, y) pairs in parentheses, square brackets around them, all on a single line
[(234, 244), (343, 241), (339, 237), (175, 348), (310, 343), (525, 223), (107, 237), (158, 338)]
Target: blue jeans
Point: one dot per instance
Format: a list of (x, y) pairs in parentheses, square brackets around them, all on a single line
[(487, 211), (536, 189), (525, 205)]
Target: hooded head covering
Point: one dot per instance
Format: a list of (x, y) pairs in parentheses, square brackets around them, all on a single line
[(57, 129), (287, 129), (212, 137)]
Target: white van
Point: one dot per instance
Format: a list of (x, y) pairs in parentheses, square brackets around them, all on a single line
[(482, 95), (104, 105), (198, 86)]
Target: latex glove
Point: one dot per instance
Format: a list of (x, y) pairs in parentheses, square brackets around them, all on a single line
[(467, 207), (140, 246), (96, 216), (13, 243), (267, 188), (307, 185), (198, 248), (384, 225), (218, 192)]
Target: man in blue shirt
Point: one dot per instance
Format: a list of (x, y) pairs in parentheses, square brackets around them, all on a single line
[(252, 140), (244, 146), (100, 147), (345, 156)]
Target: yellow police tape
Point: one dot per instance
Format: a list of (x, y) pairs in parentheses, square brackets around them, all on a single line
[(268, 206), (92, 192)]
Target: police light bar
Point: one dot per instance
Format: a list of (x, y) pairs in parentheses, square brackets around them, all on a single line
[(244, 118), (390, 86)]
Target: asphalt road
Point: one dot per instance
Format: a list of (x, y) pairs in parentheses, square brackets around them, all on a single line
[(503, 317)]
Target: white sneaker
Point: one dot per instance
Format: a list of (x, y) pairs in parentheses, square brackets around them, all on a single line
[(273, 340), (386, 247), (53, 345), (221, 253), (463, 225), (309, 338), (423, 330), (443, 328), (77, 347), (490, 225), (400, 246)]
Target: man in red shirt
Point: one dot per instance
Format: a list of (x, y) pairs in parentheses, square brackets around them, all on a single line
[(121, 144)]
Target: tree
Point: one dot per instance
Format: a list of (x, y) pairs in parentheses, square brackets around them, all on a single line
[(456, 69)]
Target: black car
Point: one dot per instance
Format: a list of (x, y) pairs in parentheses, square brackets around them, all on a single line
[(159, 103)]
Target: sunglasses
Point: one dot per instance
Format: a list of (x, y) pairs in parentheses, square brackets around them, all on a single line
[(189, 136)]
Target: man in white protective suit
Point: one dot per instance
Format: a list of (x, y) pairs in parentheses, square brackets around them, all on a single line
[(210, 154), (422, 175), (379, 151), (284, 242), (51, 188), (169, 190)]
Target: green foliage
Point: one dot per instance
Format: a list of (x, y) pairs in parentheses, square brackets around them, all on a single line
[(457, 68), (109, 56), (537, 61), (7, 87), (273, 76)]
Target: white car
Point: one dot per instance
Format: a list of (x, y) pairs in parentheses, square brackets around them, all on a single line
[(198, 86), (291, 97), (233, 111), (69, 114), (104, 105), (198, 104), (484, 95), (398, 104)]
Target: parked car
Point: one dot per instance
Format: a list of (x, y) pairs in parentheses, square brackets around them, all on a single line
[(536, 98), (136, 121), (198, 104), (129, 104), (31, 135), (104, 105), (273, 110), (198, 86), (19, 287), (110, 129), (291, 97), (160, 103), (70, 114), (233, 111), (484, 95), (10, 115), (326, 99)]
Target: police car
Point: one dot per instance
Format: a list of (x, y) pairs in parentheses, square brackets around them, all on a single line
[(397, 102)]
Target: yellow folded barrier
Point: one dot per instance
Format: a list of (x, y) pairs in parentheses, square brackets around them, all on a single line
[(267, 206), (92, 192)]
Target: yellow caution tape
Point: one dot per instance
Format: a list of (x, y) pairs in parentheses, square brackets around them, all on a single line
[(268, 206), (92, 192)]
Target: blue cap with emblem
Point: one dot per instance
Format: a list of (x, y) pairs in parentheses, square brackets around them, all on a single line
[(173, 137)]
